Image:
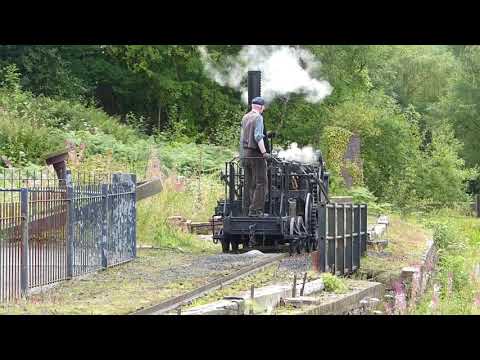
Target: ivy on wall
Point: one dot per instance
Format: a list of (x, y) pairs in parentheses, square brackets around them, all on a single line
[(336, 140)]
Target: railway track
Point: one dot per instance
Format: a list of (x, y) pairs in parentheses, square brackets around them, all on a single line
[(180, 300)]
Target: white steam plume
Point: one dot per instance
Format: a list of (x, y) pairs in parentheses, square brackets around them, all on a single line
[(285, 70), (305, 155)]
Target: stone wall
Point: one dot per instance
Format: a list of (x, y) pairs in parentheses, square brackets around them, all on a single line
[(353, 156)]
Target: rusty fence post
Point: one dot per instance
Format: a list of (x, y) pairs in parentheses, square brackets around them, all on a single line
[(24, 256)]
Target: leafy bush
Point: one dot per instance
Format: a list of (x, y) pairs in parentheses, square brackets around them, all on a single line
[(444, 235), (189, 159), (334, 284)]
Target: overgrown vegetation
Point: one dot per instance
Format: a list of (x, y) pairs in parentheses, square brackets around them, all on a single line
[(334, 284), (195, 203), (456, 285)]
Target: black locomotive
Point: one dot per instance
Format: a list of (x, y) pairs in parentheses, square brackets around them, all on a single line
[(294, 192)]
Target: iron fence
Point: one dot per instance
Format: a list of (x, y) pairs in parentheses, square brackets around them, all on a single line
[(10, 244), (54, 229), (342, 237)]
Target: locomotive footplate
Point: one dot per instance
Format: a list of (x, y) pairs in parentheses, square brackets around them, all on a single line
[(241, 225)]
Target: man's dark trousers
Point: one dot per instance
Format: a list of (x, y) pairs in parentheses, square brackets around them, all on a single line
[(255, 179)]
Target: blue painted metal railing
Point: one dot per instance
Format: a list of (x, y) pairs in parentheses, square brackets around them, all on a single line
[(54, 232)]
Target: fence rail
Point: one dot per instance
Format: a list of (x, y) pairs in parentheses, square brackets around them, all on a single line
[(52, 230)]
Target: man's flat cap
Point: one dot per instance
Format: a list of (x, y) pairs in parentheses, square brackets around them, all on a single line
[(258, 101)]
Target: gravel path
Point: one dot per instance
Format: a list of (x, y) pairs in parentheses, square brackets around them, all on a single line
[(296, 264), (209, 266)]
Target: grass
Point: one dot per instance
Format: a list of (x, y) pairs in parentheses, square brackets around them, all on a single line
[(407, 241), (456, 284), (118, 290), (196, 202)]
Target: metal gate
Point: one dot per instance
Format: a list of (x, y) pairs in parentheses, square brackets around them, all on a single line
[(342, 237)]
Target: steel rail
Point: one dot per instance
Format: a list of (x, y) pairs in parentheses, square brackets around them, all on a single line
[(177, 301)]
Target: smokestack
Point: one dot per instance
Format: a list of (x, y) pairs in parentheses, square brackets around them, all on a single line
[(254, 84)]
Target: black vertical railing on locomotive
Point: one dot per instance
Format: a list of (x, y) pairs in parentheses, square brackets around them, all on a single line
[(342, 237), (52, 229)]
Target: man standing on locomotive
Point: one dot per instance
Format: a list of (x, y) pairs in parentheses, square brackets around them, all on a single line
[(254, 155)]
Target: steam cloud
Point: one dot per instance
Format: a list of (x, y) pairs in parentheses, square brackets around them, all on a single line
[(305, 155), (285, 70)]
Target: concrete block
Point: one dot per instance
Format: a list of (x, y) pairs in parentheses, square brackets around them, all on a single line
[(347, 302), (378, 230), (222, 307), (312, 287), (268, 297), (301, 300), (265, 299)]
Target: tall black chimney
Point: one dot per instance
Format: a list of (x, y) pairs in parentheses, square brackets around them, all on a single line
[(254, 83)]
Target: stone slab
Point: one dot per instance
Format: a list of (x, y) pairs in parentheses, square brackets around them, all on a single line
[(265, 300), (301, 300), (346, 303)]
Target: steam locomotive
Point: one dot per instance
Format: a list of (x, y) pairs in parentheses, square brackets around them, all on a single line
[(299, 213), (294, 190), (294, 193)]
